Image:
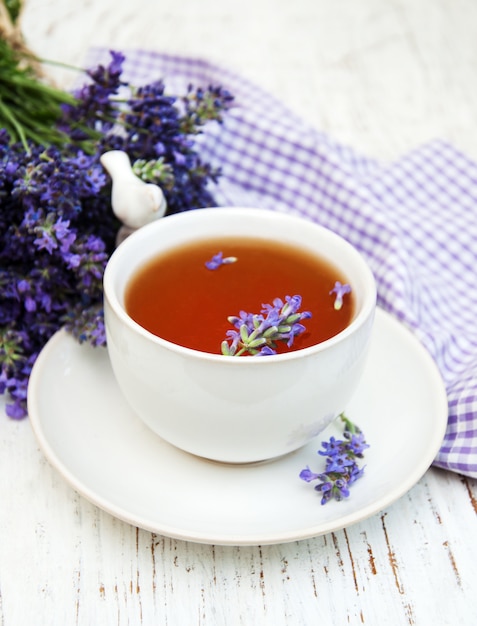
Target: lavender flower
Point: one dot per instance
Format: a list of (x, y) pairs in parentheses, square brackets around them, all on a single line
[(340, 291), (57, 229), (258, 334), (341, 469), (218, 260)]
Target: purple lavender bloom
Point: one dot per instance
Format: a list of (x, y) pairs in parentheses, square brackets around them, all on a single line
[(159, 148), (72, 260), (357, 444), (266, 351), (326, 489), (338, 463), (16, 410), (82, 160), (331, 448), (355, 473), (215, 262), (340, 489), (23, 285), (340, 291), (66, 243), (96, 178), (30, 304), (341, 469), (295, 329), (116, 65), (218, 260), (45, 241), (61, 228), (242, 318), (293, 303), (307, 475), (179, 158), (259, 333)]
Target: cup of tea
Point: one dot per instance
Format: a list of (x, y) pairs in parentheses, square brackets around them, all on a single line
[(182, 299)]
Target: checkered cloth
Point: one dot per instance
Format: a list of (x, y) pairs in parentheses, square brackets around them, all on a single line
[(414, 220)]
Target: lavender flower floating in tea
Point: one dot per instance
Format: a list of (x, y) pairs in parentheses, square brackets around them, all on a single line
[(258, 334), (218, 260), (340, 291)]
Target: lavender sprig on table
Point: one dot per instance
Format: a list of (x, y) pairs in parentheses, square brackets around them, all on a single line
[(258, 334), (57, 229), (342, 468)]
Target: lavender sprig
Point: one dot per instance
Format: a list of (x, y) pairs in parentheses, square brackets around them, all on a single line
[(258, 334), (341, 469)]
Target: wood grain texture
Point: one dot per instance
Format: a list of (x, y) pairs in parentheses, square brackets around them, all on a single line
[(382, 77), (64, 561)]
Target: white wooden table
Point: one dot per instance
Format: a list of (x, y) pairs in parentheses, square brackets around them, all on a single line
[(382, 77)]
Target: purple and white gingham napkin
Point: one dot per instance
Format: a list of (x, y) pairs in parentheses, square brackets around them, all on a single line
[(414, 220)]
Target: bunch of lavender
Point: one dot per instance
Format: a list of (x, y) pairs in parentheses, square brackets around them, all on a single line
[(57, 228), (258, 334), (341, 469), (156, 130)]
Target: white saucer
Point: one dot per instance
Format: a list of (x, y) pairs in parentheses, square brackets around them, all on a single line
[(104, 451)]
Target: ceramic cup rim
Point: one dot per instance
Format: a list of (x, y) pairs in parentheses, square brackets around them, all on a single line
[(110, 293)]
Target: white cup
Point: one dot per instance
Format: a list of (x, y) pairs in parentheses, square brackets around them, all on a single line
[(236, 409)]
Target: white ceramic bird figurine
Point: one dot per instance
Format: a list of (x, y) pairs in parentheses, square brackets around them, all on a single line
[(134, 202)]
